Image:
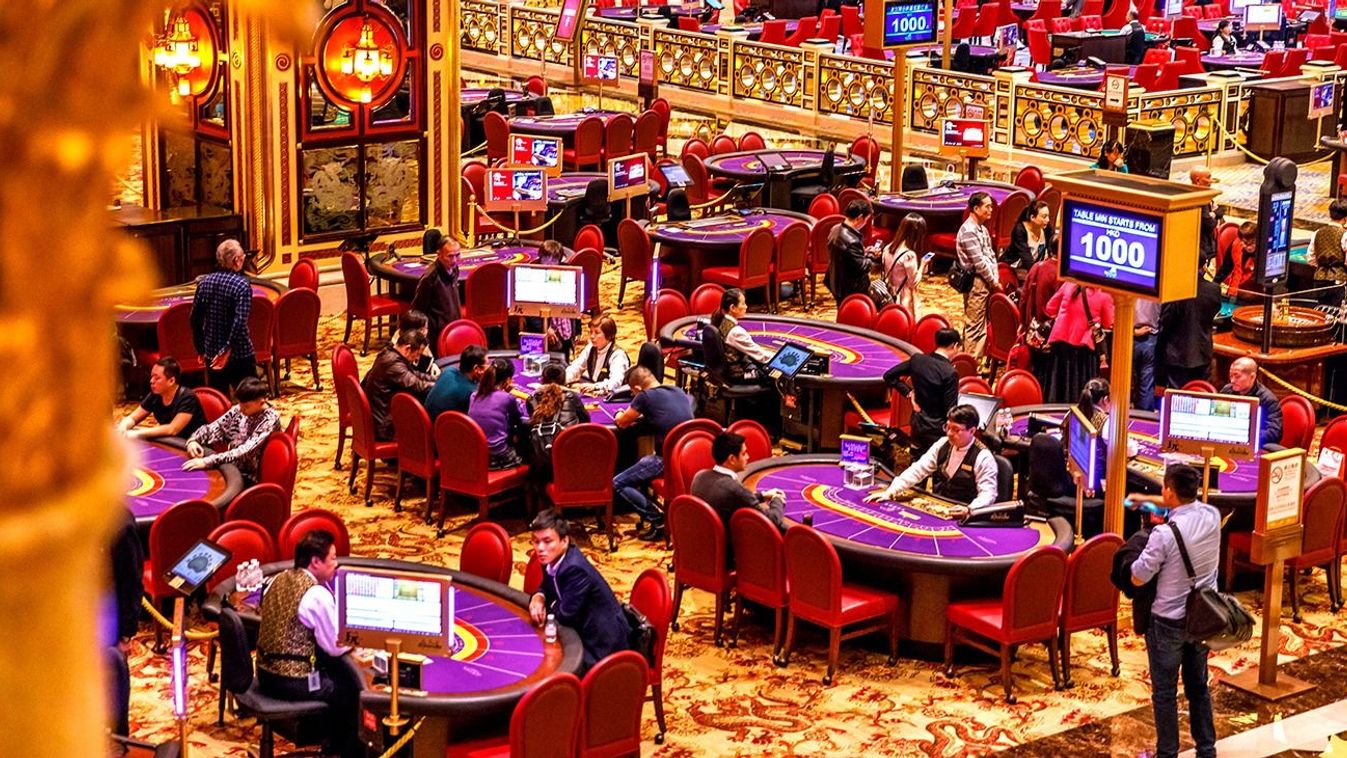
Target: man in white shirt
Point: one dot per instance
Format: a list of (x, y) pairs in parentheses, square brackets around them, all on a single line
[(297, 651), (601, 368), (959, 467)]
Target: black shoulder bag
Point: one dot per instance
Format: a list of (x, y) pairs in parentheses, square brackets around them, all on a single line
[(641, 634), (1213, 617)]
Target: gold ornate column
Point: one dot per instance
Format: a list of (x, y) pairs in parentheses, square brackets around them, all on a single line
[(253, 148), (451, 123)]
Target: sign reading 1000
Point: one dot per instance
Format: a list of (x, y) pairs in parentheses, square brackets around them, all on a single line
[(1112, 247), (908, 23)]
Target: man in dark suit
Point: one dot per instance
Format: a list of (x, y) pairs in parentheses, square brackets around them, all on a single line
[(574, 592), (720, 487), (1185, 334), (1136, 39), (934, 387)]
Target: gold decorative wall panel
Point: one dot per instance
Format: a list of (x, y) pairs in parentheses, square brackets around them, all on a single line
[(772, 73), (855, 87), (937, 94), (1192, 112), (531, 37), (617, 38), (691, 60), (482, 25), (1058, 120)]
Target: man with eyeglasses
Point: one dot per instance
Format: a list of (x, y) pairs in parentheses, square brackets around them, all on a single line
[(959, 467)]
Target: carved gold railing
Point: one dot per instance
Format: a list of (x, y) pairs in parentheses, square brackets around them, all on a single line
[(691, 60), (618, 38), (1192, 113), (772, 73), (483, 26), (855, 87), (531, 31), (1057, 120), (936, 94)]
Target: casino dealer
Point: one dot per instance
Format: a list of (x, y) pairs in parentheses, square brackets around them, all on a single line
[(298, 657), (741, 352), (959, 467), (602, 366)]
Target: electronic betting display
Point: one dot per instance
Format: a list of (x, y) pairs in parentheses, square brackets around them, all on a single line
[(1082, 448), (376, 605), (527, 150), (909, 23), (1228, 424), (1278, 255), (1111, 247)]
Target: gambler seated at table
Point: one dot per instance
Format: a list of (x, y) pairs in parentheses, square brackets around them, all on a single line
[(395, 370), (661, 407), (453, 389), (947, 463), (720, 487), (1244, 381), (239, 434), (176, 411), (743, 356), (602, 366)]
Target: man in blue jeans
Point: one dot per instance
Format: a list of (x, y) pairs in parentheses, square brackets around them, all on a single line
[(661, 407), (1167, 646), (1145, 334)]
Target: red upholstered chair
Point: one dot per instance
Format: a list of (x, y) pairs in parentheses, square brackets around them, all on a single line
[(363, 443), (671, 484), (245, 541), (702, 190), (1003, 326), (819, 256), (1199, 385), (1297, 422), (1040, 43), (722, 144), (665, 111), (867, 150), (857, 310), (485, 297), (459, 334), (1324, 511), (669, 306), (923, 333), (1335, 434), (174, 332), (613, 696), (590, 262), (474, 188), (1146, 76), (265, 504), (360, 304), (756, 438), (305, 521), (829, 26), (213, 402), (790, 259), (1116, 15), (705, 299), (545, 724), (699, 554), (1212, 11), (172, 533), (1027, 612), (754, 269), (818, 595), (851, 20), (536, 85), (695, 146), (1092, 23), (1089, 600), (487, 552), (1274, 63), (415, 440), (689, 24), (975, 384), (588, 150), (645, 134), (1169, 75), (261, 322), (894, 321), (637, 251), (617, 137), (773, 32), (650, 596), (343, 365), (464, 466), (303, 275), (1031, 179), (965, 22), (806, 28), (823, 204), (1295, 58), (1061, 25), (1018, 387), (752, 141), (583, 459), (533, 573), (589, 235), (497, 130), (1053, 197), (965, 364), (1190, 59), (1006, 215), (295, 333), (760, 560)]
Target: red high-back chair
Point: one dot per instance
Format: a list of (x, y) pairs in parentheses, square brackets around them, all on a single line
[(923, 333), (305, 521), (1040, 43), (773, 32), (261, 323), (360, 303), (1089, 599), (171, 534), (1323, 522), (588, 149), (457, 335), (174, 332), (645, 134), (805, 29), (583, 459), (589, 235), (689, 24), (536, 85), (280, 462), (245, 541), (752, 141), (303, 275), (1335, 434), (617, 137), (819, 255), (706, 298), (974, 384), (722, 144), (487, 552), (867, 150), (343, 365), (295, 333), (497, 130), (636, 249), (485, 297), (1026, 612), (1295, 58), (894, 321), (1199, 385), (464, 465), (1018, 387), (265, 505), (1297, 422), (965, 364), (699, 556), (665, 111), (1031, 179), (760, 560), (613, 696), (213, 402), (364, 445), (415, 438), (857, 310), (669, 306), (823, 204), (756, 438), (650, 596), (818, 595), (754, 269), (851, 20), (545, 724), (590, 262), (790, 259), (1003, 324), (671, 484), (695, 146), (1146, 76)]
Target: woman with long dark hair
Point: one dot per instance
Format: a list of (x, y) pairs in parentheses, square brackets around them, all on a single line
[(1031, 238), (901, 261), (497, 412), (552, 407)]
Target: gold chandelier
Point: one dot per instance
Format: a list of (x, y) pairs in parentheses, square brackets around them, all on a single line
[(177, 52), (366, 61)]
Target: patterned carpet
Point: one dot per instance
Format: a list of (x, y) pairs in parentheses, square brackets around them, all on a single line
[(724, 701)]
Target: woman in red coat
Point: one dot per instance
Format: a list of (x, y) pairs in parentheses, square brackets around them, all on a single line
[(1075, 356)]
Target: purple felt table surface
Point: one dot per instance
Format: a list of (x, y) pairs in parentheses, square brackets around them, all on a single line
[(149, 314), (817, 489), (410, 269), (1208, 25), (977, 51), (600, 411), (745, 165), (158, 481), (1238, 60), (571, 187), (473, 95), (853, 354), (727, 231), (940, 200), (559, 125), (1083, 77)]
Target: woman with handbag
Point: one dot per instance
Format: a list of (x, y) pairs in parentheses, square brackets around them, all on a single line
[(1082, 317), (1031, 238), (1039, 287), (551, 408), (902, 265)]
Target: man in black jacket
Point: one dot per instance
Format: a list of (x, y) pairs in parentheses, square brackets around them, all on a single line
[(720, 487), (934, 387), (128, 564), (849, 271), (395, 371), (1244, 381), (575, 592), (1185, 334), (437, 291)]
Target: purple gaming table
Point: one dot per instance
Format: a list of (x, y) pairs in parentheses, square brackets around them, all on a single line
[(403, 274), (804, 168), (858, 359), (158, 481), (754, 30), (715, 240), (1080, 77), (942, 206), (561, 125), (148, 315), (1237, 60), (474, 95), (566, 194), (905, 545), (500, 654), (600, 410)]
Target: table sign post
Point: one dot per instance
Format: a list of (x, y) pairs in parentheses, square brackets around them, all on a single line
[(178, 673), (1276, 210), (1277, 536), (394, 721), (899, 25), (1115, 103), (1132, 237), (647, 86)]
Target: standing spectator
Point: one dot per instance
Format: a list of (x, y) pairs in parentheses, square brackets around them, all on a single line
[(1244, 381), (1145, 336), (437, 291), (934, 387), (975, 253), (1185, 335), (1075, 355), (497, 412), (395, 371), (1039, 287), (849, 270), (220, 310), (1212, 214), (1031, 238), (1136, 40), (238, 435), (662, 407), (901, 261), (1167, 647)]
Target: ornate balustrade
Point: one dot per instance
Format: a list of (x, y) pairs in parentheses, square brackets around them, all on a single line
[(620, 39), (691, 60), (773, 74), (855, 87), (483, 26)]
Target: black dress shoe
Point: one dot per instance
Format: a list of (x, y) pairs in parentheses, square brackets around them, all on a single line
[(652, 534)]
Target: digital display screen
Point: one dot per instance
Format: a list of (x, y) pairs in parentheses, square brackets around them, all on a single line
[(373, 605), (964, 133), (675, 175), (1321, 99), (196, 566), (627, 176), (551, 286), (1111, 247), (532, 344), (569, 19), (1173, 8), (521, 188), (1201, 417), (773, 161), (1007, 36), (527, 150), (855, 450), (1082, 448), (601, 68), (1278, 242), (1263, 17), (985, 405), (789, 359), (908, 23)]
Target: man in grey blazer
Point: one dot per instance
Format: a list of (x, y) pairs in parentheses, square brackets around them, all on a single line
[(720, 487)]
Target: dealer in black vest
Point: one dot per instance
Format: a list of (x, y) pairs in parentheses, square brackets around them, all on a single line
[(959, 467), (601, 368)]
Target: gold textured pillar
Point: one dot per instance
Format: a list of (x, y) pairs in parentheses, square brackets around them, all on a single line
[(453, 122)]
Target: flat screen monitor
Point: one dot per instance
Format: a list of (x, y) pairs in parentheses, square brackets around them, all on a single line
[(675, 175), (1008, 37), (985, 405), (964, 135), (1237, 6), (909, 22), (788, 361), (198, 564), (569, 20), (1276, 258), (1112, 247), (773, 161), (1264, 17), (600, 68), (1322, 98), (1082, 448), (1340, 13), (532, 344), (855, 451), (529, 151), (378, 605), (558, 290), (1173, 8), (628, 176), (510, 189), (1190, 421)]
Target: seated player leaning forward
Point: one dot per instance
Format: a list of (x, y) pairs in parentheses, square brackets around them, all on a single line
[(575, 592), (959, 467), (297, 651), (239, 434), (176, 411), (395, 371), (661, 407)]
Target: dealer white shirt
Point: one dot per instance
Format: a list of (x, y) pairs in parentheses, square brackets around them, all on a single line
[(984, 472), (618, 363), (739, 339), (318, 611)]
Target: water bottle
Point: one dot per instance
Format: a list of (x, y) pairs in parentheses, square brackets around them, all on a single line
[(550, 628)]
